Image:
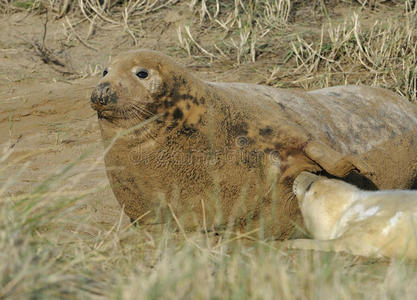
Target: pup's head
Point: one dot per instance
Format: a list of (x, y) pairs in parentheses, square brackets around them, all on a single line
[(316, 187), (303, 183)]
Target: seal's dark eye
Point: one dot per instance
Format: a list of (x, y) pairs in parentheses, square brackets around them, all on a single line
[(105, 72), (142, 74)]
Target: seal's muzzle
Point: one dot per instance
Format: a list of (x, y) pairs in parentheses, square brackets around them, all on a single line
[(103, 95), (303, 182)]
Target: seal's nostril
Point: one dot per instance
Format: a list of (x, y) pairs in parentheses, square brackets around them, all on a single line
[(95, 96), (106, 91)]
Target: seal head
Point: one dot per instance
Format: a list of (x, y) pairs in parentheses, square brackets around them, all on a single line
[(137, 85)]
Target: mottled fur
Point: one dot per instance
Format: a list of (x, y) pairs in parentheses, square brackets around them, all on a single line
[(232, 150)]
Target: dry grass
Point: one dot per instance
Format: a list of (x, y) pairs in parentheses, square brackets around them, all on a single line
[(355, 51), (360, 46), (49, 250), (242, 27), (127, 15), (383, 55)]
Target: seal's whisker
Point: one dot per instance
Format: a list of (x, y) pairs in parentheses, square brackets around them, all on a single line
[(134, 114), (143, 110)]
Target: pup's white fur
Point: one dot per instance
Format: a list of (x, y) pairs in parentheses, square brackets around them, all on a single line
[(341, 217)]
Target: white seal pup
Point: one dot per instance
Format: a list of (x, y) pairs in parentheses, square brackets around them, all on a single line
[(341, 217)]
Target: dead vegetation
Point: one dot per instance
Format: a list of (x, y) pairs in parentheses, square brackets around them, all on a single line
[(373, 42), (360, 49), (383, 55), (49, 249)]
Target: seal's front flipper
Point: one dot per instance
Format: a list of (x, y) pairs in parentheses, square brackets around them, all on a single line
[(336, 245), (307, 244), (334, 162), (340, 244)]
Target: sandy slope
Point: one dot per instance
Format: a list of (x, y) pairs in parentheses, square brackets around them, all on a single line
[(46, 116), (50, 123)]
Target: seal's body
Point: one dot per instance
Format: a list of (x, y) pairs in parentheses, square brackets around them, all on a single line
[(342, 217), (227, 153)]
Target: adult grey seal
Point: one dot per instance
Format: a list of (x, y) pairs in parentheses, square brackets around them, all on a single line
[(222, 154)]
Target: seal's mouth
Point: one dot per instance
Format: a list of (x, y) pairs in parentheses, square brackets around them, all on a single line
[(115, 112), (103, 112), (106, 114), (110, 114)]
